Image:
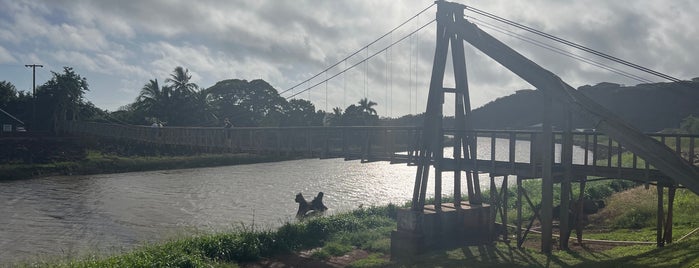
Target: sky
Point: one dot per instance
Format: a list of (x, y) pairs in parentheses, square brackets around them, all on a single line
[(120, 45)]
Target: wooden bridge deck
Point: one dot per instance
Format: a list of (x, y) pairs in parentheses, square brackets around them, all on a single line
[(605, 158)]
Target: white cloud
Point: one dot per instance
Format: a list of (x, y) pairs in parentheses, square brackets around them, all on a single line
[(6, 57)]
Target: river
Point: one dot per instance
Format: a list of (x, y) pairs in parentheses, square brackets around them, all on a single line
[(62, 216)]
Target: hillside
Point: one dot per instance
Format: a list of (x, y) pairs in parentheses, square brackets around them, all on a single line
[(648, 107)]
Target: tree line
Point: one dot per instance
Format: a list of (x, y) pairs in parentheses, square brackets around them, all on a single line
[(59, 98), (177, 101), (180, 102)]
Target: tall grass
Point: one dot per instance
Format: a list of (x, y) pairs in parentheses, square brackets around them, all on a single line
[(227, 249)]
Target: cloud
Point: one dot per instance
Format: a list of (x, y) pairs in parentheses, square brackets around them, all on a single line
[(6, 57), (286, 42)]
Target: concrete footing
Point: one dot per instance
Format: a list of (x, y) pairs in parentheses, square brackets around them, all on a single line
[(444, 227)]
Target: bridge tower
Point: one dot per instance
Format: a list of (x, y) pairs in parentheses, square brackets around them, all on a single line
[(460, 221), (431, 150)]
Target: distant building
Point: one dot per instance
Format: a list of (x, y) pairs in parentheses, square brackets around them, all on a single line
[(10, 124)]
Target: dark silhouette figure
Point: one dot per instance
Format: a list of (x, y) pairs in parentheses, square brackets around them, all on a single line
[(227, 123), (304, 206)]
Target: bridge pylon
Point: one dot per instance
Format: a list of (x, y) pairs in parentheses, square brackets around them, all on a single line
[(461, 221)]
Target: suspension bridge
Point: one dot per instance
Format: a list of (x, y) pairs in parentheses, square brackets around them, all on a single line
[(668, 161)]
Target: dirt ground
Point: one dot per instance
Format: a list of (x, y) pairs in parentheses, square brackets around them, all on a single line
[(304, 259)]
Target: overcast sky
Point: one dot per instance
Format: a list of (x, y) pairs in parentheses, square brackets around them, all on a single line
[(119, 45)]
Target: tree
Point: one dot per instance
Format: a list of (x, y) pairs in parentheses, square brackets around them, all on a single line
[(60, 98), (8, 93), (153, 101), (360, 115), (300, 113), (690, 125), (254, 103), (178, 103), (334, 118), (367, 106), (180, 82)]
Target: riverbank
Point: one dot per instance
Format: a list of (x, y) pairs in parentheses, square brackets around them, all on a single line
[(99, 163), (361, 238)]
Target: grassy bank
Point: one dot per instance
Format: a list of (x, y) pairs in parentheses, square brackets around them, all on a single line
[(320, 240), (364, 228), (97, 163)]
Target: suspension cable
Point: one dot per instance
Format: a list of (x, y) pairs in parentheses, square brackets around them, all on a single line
[(558, 50), (359, 50), (572, 44), (362, 61)]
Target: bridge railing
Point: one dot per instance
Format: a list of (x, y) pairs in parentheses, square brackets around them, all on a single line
[(505, 151), (368, 143), (391, 143)]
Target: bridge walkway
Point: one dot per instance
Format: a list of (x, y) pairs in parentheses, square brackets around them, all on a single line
[(516, 152)]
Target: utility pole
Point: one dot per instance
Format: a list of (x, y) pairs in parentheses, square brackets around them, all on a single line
[(33, 66)]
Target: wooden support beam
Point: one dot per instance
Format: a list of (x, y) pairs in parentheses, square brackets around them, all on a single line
[(547, 178), (505, 196), (567, 162), (519, 211), (667, 237), (660, 217), (579, 212)]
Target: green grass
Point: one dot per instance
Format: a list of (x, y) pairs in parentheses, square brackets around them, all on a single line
[(373, 260), (369, 229), (332, 249), (229, 248)]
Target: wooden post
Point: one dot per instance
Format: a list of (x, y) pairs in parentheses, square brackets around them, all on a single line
[(492, 152), (519, 211), (567, 162), (661, 216), (668, 222), (505, 192), (493, 199), (433, 114), (458, 142), (512, 146), (579, 212), (547, 178)]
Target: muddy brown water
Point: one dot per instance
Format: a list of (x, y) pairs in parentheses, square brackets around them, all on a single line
[(71, 216)]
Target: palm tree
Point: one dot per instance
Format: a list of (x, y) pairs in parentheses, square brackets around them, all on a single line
[(365, 105), (179, 81), (151, 94), (337, 111), (334, 118), (153, 100)]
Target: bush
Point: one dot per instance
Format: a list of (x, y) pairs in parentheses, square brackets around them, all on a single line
[(634, 218)]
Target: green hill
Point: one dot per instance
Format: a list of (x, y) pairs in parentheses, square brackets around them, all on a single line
[(648, 107)]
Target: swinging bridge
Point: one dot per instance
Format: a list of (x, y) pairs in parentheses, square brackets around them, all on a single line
[(666, 160)]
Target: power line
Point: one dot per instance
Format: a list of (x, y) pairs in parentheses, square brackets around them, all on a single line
[(356, 52), (572, 44)]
